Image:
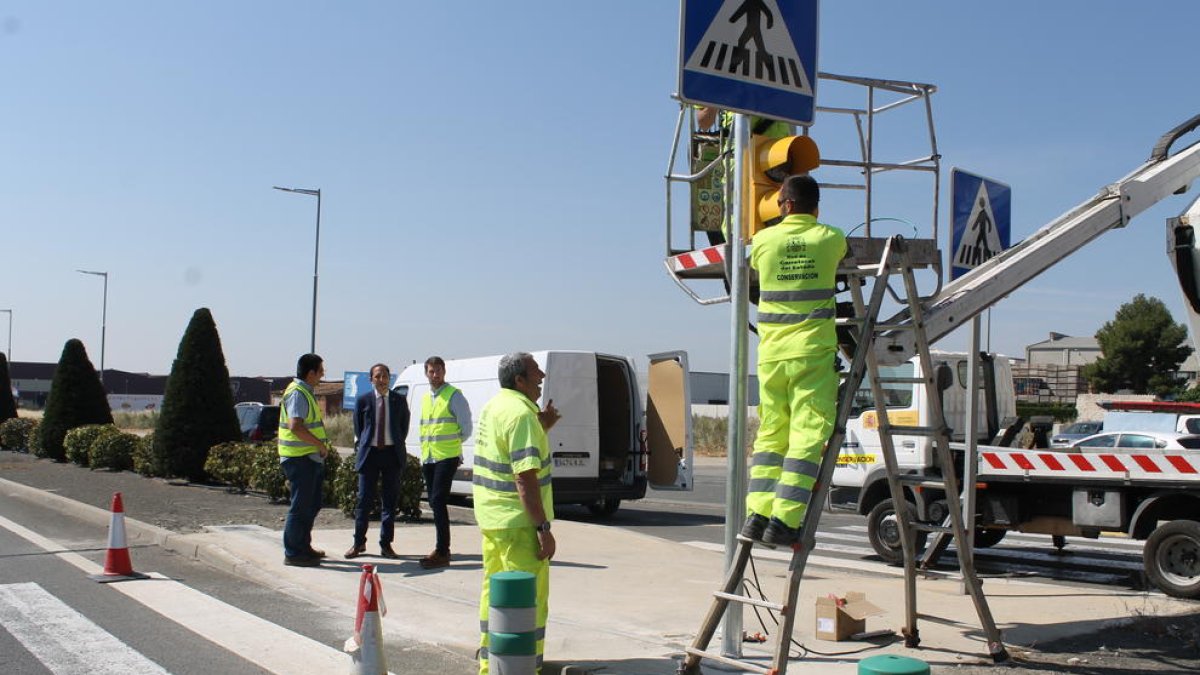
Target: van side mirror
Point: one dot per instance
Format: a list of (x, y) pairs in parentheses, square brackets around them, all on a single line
[(943, 376)]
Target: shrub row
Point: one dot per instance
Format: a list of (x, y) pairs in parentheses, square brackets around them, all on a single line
[(15, 433), (102, 446)]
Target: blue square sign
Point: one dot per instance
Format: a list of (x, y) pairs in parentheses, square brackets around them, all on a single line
[(757, 57), (981, 220)]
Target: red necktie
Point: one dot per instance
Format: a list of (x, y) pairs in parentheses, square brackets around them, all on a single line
[(380, 419)]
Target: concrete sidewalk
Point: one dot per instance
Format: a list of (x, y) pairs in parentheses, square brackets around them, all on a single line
[(627, 603)]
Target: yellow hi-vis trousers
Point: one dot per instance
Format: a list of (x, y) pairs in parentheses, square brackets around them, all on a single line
[(513, 550), (797, 405)]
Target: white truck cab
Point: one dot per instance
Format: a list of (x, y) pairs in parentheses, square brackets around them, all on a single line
[(610, 442)]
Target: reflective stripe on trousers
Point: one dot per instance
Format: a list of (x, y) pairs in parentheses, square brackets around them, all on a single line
[(796, 409), (509, 550)]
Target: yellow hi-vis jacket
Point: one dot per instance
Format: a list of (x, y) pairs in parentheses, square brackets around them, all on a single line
[(797, 261), (441, 435), (290, 445), (509, 440)]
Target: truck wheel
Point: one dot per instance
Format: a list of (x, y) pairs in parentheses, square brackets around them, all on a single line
[(988, 538), (604, 507), (1172, 558), (883, 529)]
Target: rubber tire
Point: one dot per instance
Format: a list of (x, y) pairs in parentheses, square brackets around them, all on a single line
[(884, 535), (988, 538), (604, 507), (1172, 558)]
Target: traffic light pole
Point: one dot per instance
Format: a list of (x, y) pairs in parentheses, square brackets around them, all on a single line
[(739, 300)]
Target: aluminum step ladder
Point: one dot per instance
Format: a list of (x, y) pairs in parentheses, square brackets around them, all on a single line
[(879, 260)]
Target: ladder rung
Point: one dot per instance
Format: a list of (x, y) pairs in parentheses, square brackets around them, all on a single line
[(921, 481), (926, 527), (745, 599), (898, 429), (902, 380), (721, 658), (894, 326)]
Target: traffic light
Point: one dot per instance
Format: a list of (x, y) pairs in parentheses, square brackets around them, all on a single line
[(770, 162)]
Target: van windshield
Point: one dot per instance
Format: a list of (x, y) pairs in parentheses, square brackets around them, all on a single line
[(897, 394)]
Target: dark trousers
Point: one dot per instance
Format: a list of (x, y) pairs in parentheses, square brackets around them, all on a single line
[(438, 477), (304, 480), (379, 462)]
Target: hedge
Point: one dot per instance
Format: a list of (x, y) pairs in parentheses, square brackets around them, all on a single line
[(78, 442), (113, 449), (15, 433), (408, 503)]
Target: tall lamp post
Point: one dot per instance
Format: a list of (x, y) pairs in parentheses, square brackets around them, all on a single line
[(103, 317), (8, 354), (316, 258)]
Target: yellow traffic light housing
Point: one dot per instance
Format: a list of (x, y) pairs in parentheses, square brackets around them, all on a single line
[(769, 163)]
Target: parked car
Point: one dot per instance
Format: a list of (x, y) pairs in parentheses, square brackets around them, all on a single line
[(1070, 434), (258, 422), (1138, 440)]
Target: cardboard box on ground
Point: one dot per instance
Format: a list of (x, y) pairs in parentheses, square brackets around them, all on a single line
[(840, 618)]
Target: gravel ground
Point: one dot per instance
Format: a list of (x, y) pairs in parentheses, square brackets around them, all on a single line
[(1145, 645)]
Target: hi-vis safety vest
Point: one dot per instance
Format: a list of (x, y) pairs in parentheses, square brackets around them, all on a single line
[(797, 262), (441, 435), (290, 445), (509, 440)]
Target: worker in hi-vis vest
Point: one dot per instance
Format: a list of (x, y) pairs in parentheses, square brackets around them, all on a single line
[(797, 261), (445, 424), (303, 445), (514, 503)]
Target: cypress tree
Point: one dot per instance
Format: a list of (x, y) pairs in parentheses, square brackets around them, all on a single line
[(197, 410), (8, 407), (76, 398)]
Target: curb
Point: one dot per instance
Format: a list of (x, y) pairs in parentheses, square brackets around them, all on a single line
[(144, 533)]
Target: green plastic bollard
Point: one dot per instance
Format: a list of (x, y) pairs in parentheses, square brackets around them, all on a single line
[(891, 664), (512, 623)]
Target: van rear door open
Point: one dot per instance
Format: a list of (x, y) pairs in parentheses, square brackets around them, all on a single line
[(669, 422)]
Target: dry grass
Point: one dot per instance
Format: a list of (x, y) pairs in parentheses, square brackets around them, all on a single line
[(710, 435), (340, 429), (143, 420)]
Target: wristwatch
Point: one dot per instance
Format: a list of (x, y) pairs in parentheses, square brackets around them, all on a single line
[(544, 527)]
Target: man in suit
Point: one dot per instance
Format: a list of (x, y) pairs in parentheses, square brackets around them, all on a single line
[(380, 425)]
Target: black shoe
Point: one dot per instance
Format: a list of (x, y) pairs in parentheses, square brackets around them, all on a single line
[(778, 534), (316, 553), (386, 551), (753, 528), (302, 561)]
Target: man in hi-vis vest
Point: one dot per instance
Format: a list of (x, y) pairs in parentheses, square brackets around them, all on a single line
[(303, 445), (514, 501), (797, 262), (445, 424)]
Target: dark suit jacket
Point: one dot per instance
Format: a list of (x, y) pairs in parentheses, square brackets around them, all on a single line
[(364, 423)]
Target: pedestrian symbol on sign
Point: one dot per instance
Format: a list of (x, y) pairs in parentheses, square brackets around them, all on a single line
[(981, 241), (726, 49)]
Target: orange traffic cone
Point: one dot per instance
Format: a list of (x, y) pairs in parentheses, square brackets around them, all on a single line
[(117, 565), (366, 646)]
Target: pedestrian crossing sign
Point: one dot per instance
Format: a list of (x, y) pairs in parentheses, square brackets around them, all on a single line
[(757, 57), (982, 220)]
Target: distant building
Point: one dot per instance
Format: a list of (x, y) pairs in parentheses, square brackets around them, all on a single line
[(1063, 350), (126, 391)]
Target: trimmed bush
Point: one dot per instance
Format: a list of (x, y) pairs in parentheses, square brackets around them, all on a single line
[(8, 407), (197, 411), (408, 504), (113, 449), (333, 464), (232, 464), (267, 475), (1061, 412), (145, 461), (78, 442), (76, 398), (15, 433)]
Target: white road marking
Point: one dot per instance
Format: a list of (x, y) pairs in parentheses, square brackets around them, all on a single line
[(257, 640), (64, 640)]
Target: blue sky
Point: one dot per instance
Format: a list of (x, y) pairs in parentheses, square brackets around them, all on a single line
[(492, 172)]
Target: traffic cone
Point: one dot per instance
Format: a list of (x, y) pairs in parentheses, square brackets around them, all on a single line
[(366, 646), (117, 565)]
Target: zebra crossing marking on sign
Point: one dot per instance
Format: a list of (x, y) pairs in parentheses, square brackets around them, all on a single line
[(752, 56), (982, 218), (771, 60)]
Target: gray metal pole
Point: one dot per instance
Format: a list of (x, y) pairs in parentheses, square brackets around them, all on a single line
[(103, 326), (971, 434), (739, 300), (316, 259)]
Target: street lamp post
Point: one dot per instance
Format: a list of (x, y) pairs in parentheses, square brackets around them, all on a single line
[(8, 354), (103, 317), (316, 258)]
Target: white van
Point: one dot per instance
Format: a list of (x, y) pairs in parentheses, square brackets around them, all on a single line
[(859, 480), (609, 442)]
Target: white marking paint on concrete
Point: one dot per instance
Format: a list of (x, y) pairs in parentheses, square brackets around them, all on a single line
[(64, 640), (257, 640), (822, 561)]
